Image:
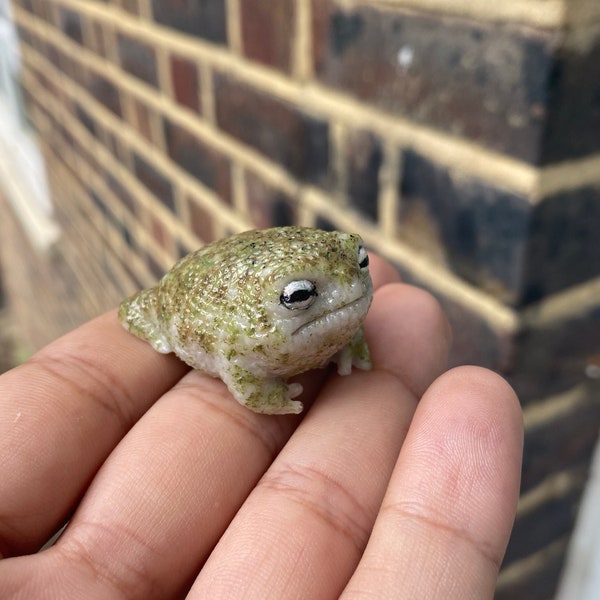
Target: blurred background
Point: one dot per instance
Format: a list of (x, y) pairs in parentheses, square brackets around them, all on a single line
[(460, 138)]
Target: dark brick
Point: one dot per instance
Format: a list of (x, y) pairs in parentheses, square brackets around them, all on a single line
[(69, 22), (475, 341), (364, 156), (203, 18), (564, 243), (155, 181), (185, 82), (268, 32), (549, 522), (280, 131), (562, 443), (552, 357), (198, 159), (120, 192), (268, 207), (138, 59), (325, 224), (487, 82), (155, 268), (104, 91), (573, 114), (86, 119), (482, 230)]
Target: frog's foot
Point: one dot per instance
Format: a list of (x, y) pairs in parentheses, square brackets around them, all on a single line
[(269, 396), (138, 315), (354, 354)]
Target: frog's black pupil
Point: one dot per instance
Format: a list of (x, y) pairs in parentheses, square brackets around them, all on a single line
[(301, 295), (365, 262)]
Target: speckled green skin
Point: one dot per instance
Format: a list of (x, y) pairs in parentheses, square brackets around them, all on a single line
[(220, 310)]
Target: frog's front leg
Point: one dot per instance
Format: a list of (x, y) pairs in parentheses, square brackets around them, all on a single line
[(354, 353), (270, 396)]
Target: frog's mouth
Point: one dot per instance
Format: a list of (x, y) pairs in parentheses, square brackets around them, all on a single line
[(354, 308)]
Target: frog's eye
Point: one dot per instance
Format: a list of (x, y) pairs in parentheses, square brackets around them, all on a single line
[(298, 294), (363, 257)]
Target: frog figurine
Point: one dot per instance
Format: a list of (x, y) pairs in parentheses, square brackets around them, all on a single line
[(259, 307)]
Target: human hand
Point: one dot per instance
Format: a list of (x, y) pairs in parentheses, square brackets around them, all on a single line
[(400, 482)]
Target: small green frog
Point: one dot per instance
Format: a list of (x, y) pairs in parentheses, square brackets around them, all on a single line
[(259, 307)]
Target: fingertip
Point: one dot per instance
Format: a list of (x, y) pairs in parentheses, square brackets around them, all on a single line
[(408, 334)]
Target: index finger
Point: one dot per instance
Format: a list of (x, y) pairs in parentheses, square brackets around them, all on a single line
[(61, 413)]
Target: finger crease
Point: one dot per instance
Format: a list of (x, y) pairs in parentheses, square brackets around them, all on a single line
[(324, 498), (104, 562), (107, 392), (412, 512)]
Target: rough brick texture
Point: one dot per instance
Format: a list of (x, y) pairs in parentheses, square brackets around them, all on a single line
[(461, 143)]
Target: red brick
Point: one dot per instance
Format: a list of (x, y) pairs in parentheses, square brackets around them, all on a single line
[(268, 32), (185, 82), (276, 129), (201, 221)]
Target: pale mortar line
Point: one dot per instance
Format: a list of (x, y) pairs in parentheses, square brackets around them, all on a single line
[(389, 198), (302, 48), (234, 26), (555, 486), (571, 174), (450, 151), (238, 190), (539, 13), (432, 276), (563, 305), (551, 409), (207, 95)]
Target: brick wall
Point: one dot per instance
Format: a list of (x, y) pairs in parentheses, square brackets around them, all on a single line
[(461, 138)]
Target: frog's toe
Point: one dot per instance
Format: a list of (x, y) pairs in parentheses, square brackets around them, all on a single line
[(294, 390)]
